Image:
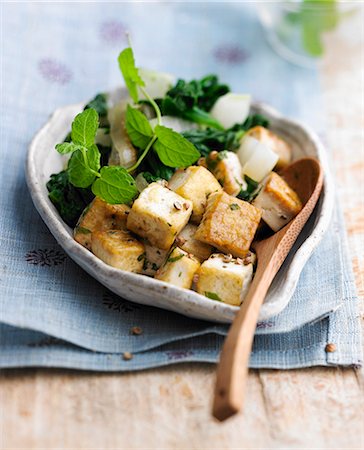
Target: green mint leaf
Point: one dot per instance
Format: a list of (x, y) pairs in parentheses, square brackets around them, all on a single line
[(84, 127), (115, 185), (138, 128), (67, 147), (213, 296), (130, 73), (173, 149), (83, 166)]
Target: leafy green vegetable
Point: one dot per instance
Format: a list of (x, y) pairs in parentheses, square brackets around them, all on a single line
[(209, 139), (138, 128), (213, 296), (67, 147), (84, 127), (192, 100), (251, 191), (157, 170), (130, 73), (68, 200), (99, 104), (115, 185), (173, 149), (83, 166)]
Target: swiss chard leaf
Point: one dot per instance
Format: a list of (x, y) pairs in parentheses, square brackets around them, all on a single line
[(84, 166), (211, 139), (251, 191), (115, 185), (130, 73), (84, 127), (139, 130), (173, 149), (68, 200), (192, 100), (99, 104)]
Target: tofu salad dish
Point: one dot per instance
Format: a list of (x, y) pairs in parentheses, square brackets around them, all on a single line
[(174, 182)]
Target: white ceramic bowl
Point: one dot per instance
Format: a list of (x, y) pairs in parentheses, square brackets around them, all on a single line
[(43, 160)]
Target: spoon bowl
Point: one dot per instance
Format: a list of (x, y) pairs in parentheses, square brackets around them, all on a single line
[(305, 176)]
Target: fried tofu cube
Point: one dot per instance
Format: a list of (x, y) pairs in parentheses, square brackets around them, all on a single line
[(153, 259), (102, 216), (229, 224), (158, 215), (118, 248), (194, 183), (277, 144), (278, 202), (227, 169), (224, 278), (187, 242), (179, 269)]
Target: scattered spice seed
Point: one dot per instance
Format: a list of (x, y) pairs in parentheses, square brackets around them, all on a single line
[(330, 348), (127, 356), (228, 258), (136, 331), (180, 240), (186, 205), (177, 205)]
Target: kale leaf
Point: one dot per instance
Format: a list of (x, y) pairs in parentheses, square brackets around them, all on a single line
[(210, 139), (69, 200)]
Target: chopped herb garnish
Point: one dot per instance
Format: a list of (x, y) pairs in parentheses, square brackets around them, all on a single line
[(175, 258), (140, 257), (213, 296), (234, 206)]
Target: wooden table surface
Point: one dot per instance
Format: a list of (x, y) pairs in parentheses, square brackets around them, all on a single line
[(169, 408)]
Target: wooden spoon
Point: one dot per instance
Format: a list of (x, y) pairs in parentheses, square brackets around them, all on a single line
[(306, 178)]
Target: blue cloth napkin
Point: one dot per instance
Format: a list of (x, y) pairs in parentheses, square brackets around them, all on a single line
[(51, 312)]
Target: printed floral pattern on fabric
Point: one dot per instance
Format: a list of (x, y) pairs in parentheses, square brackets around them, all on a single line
[(54, 71), (115, 303), (45, 257), (231, 54), (113, 32)]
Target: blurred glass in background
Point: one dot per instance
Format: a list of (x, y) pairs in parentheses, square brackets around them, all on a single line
[(295, 28)]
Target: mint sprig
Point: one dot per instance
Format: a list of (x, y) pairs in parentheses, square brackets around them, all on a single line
[(115, 184), (130, 73), (112, 184), (84, 127), (171, 147), (138, 128)]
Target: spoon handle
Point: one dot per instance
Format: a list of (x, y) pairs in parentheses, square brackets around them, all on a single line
[(232, 370)]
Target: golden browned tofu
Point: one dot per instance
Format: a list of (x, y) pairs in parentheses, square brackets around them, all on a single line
[(224, 279), (187, 242), (100, 215), (159, 214), (277, 144), (229, 224), (194, 183), (227, 169), (118, 248), (153, 259), (278, 202), (179, 269)]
